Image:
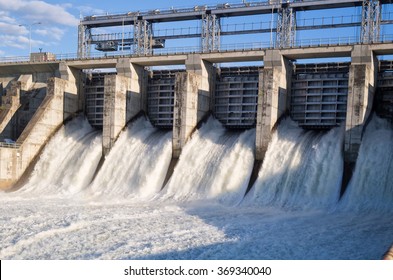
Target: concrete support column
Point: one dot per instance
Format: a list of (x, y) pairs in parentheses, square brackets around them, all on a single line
[(192, 99), (71, 75), (25, 81), (185, 110), (114, 109), (273, 97), (73, 101), (136, 97), (123, 99), (361, 89)]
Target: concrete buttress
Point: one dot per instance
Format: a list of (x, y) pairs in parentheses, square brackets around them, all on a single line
[(193, 100), (361, 89), (273, 97), (46, 121), (10, 104), (123, 99)]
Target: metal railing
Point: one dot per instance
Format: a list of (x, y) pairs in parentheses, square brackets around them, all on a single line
[(9, 145), (303, 43), (197, 8)]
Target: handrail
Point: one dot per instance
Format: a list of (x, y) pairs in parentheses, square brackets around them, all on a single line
[(9, 145), (303, 43), (197, 8)]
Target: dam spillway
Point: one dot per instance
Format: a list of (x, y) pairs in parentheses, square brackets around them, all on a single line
[(315, 95), (212, 151)]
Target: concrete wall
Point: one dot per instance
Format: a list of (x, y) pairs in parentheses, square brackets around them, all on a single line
[(137, 93), (6, 80), (273, 97), (10, 104), (9, 161), (26, 81), (45, 122), (361, 89)]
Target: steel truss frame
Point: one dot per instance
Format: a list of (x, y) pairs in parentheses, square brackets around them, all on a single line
[(371, 21)]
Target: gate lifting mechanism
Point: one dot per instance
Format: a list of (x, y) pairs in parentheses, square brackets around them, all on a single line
[(140, 40)]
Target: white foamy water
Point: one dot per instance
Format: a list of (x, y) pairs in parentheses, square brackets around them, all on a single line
[(371, 187), (137, 164), (301, 170), (64, 227), (215, 164), (67, 163)]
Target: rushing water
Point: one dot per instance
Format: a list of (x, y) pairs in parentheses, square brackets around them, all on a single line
[(371, 188), (136, 166), (215, 164), (67, 163), (123, 214), (301, 170)]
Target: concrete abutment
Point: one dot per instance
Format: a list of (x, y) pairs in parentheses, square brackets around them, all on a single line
[(16, 159)]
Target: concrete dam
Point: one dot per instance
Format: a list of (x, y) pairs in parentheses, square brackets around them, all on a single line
[(285, 126)]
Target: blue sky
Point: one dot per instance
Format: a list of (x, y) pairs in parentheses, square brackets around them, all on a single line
[(57, 32)]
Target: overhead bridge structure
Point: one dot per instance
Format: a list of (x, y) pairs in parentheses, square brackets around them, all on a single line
[(143, 37), (114, 88)]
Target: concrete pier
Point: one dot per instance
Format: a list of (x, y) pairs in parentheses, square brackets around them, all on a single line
[(114, 109), (361, 89), (193, 90), (123, 100), (273, 97), (25, 81)]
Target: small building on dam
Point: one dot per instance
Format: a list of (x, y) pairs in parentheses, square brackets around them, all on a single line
[(319, 83)]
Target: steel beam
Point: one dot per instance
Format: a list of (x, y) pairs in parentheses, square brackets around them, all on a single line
[(142, 37), (84, 41), (371, 21), (210, 36), (286, 27)]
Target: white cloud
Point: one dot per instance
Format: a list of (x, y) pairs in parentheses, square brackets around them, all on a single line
[(39, 11), (55, 21), (66, 5), (19, 42), (52, 32), (88, 11), (5, 17), (12, 29)]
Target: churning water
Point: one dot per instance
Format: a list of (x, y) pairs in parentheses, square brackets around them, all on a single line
[(68, 161), (301, 170), (371, 187), (136, 166), (214, 165)]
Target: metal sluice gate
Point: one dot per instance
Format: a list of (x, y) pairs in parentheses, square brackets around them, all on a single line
[(319, 94)]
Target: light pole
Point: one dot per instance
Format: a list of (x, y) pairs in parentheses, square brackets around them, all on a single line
[(29, 26)]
